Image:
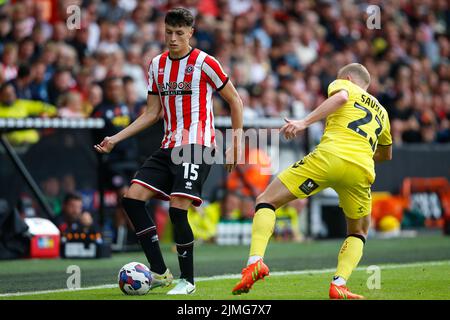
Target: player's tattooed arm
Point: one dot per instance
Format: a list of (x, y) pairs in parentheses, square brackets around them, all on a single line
[(151, 114), (231, 96), (330, 105)]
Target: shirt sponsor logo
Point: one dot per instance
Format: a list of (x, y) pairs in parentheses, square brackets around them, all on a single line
[(175, 88)]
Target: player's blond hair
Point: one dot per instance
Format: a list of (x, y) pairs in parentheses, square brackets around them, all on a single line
[(355, 70)]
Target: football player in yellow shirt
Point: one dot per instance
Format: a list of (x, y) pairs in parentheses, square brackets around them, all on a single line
[(357, 133)]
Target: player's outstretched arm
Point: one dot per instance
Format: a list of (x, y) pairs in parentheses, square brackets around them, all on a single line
[(145, 120), (383, 153), (330, 105), (231, 96)]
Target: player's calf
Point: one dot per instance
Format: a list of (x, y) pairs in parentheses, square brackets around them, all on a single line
[(184, 241), (146, 233)]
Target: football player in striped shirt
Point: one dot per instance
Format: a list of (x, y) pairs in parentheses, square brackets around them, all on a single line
[(180, 86)]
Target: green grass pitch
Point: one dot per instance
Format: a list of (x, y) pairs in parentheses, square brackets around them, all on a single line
[(410, 268)]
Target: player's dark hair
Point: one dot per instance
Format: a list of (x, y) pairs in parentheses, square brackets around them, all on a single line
[(179, 17)]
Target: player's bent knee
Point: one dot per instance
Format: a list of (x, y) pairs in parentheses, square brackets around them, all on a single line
[(138, 192), (180, 202), (359, 226)]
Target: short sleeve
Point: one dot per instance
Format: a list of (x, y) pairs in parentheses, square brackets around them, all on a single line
[(152, 88), (337, 85), (385, 138), (216, 77)]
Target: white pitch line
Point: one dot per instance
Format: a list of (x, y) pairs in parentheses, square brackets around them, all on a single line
[(15, 294), (320, 271), (237, 276)]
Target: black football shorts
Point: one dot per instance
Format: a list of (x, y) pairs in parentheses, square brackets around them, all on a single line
[(175, 172)]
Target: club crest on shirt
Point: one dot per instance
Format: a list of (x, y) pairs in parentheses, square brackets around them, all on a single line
[(189, 69)]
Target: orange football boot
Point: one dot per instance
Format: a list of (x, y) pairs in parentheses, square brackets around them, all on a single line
[(342, 292), (250, 275)]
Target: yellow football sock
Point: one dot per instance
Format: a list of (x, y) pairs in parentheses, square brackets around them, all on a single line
[(262, 229), (349, 256)]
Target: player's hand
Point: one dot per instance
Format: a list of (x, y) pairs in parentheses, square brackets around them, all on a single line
[(105, 146), (232, 155), (292, 128)]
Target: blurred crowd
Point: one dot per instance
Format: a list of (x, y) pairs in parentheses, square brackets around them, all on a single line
[(281, 55), (89, 58)]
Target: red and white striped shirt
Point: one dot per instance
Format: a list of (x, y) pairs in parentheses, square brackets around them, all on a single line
[(185, 87)]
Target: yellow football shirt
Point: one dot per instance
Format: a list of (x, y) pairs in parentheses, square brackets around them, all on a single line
[(355, 129)]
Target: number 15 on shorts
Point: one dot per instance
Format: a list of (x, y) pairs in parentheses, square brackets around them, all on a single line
[(190, 171)]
